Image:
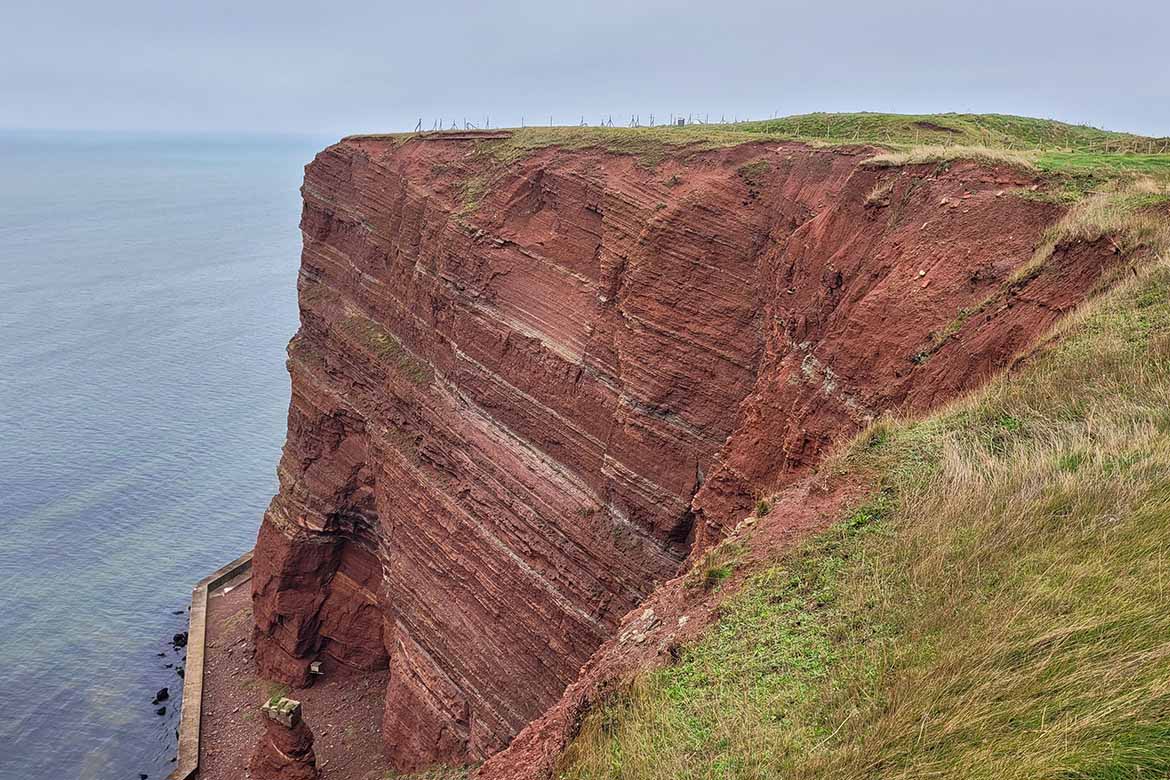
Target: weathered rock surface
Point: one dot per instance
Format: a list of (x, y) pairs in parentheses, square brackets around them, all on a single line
[(511, 420)]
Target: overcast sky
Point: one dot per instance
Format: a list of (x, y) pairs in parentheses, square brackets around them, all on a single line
[(345, 67)]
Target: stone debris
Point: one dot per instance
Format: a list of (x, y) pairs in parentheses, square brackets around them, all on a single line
[(641, 627)]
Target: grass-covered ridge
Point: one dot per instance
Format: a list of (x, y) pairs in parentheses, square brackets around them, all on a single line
[(1000, 607), (1080, 159), (993, 131)]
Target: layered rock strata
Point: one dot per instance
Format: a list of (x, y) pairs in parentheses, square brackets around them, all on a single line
[(522, 394)]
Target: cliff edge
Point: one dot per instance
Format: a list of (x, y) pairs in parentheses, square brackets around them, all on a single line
[(531, 382)]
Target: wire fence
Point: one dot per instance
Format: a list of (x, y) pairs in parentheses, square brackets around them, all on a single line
[(441, 124)]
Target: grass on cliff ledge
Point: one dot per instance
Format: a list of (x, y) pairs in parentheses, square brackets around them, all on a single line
[(999, 608), (387, 348)]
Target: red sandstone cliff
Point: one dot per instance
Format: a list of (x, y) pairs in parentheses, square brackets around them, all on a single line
[(510, 422)]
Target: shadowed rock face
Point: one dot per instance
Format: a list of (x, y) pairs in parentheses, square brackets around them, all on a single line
[(510, 422)]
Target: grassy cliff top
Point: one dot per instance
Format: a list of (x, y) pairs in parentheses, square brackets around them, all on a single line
[(996, 131), (1049, 146)]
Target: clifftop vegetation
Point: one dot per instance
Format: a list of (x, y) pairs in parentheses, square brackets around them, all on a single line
[(1047, 145)]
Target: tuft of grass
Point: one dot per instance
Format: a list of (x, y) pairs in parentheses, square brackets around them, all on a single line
[(753, 172), (1060, 196), (471, 194), (880, 194), (999, 609), (716, 565), (277, 691), (763, 507), (388, 349)]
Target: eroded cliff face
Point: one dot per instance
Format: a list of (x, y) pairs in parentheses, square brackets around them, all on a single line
[(511, 419)]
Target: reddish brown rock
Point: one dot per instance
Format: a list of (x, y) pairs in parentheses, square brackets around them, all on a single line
[(285, 751), (509, 424), (676, 613)]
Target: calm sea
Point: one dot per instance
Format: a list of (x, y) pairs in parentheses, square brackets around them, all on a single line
[(146, 297)]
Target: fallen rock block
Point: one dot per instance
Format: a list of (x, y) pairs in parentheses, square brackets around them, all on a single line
[(285, 751)]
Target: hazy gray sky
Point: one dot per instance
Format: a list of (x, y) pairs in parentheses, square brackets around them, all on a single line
[(336, 68)]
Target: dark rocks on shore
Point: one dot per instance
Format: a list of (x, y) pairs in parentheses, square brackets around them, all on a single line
[(179, 640), (161, 711), (162, 695)]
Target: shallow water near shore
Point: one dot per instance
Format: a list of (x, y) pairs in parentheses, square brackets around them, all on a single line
[(147, 292)]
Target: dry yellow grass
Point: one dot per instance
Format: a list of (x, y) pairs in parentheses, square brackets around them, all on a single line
[(940, 154)]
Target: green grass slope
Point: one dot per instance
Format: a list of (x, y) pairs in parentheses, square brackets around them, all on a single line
[(998, 131), (999, 608)]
